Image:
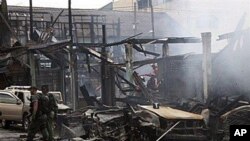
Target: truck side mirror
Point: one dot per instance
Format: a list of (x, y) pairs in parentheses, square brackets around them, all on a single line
[(18, 102)]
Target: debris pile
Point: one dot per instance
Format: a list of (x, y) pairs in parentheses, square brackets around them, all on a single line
[(140, 123)]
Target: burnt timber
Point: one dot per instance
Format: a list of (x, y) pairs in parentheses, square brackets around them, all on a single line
[(74, 47)]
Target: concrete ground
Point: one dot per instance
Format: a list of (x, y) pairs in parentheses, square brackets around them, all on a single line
[(13, 133)]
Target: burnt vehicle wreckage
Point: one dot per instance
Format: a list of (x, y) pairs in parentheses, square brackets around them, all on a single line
[(142, 113)]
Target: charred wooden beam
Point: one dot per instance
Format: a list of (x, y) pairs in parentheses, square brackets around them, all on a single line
[(57, 18), (137, 64), (107, 75), (55, 46), (96, 54), (12, 49), (4, 26), (144, 51), (128, 82), (142, 87), (119, 87), (88, 63), (31, 20), (225, 36), (228, 36), (7, 24), (171, 40)]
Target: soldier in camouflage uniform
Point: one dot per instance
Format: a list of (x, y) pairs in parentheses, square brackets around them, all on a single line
[(38, 114), (52, 111)]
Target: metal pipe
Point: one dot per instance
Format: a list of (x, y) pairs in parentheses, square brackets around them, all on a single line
[(168, 131)]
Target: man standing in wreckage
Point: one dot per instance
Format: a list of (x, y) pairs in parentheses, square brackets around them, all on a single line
[(52, 111), (38, 114)]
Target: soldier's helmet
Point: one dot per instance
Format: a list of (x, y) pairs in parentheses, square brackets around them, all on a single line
[(32, 88)]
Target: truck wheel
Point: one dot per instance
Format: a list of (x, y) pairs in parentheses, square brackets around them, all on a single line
[(6, 123), (25, 122)]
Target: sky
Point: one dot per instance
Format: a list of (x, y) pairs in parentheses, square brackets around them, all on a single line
[(85, 4)]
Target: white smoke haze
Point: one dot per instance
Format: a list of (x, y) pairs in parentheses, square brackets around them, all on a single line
[(215, 16), (231, 68)]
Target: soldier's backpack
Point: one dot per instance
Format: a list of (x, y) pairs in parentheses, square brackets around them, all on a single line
[(43, 103), (52, 103)]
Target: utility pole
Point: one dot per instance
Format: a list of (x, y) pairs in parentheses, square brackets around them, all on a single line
[(31, 20), (72, 61), (31, 55), (152, 22), (206, 64), (135, 19), (152, 18)]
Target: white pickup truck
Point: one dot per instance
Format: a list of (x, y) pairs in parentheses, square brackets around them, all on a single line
[(22, 104), (62, 108), (14, 107)]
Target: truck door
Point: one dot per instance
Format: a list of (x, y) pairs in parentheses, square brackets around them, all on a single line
[(10, 109)]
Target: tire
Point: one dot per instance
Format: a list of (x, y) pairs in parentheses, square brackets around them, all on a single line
[(25, 122), (5, 123)]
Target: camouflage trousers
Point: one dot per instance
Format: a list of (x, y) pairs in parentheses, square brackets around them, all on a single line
[(36, 125), (50, 126)]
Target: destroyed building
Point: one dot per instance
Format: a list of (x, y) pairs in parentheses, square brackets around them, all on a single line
[(86, 31), (98, 58)]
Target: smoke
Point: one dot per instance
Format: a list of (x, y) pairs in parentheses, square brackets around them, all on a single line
[(231, 70)]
